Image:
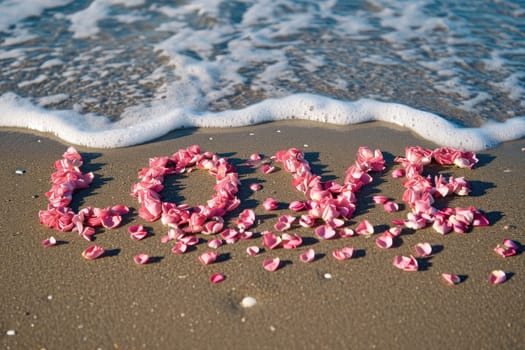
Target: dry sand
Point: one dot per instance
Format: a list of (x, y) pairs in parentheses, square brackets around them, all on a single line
[(52, 298)]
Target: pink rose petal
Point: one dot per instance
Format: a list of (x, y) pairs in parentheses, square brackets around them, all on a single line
[(179, 248), (391, 207), (49, 242), (385, 241), (270, 240), (364, 228), (344, 253), (325, 232), (398, 173), (253, 250), (208, 257), (267, 169), (508, 248), (284, 222), (291, 242), (307, 256), (270, 204), (497, 277), (451, 279), (271, 264), (406, 263), (511, 244), (141, 259), (380, 199), (297, 205), (423, 249), (255, 187), (217, 278), (137, 232), (395, 231), (215, 243), (93, 252), (346, 232)]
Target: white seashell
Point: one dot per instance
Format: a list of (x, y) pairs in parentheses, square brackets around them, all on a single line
[(248, 302)]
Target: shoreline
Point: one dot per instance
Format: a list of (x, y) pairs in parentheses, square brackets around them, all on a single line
[(53, 298)]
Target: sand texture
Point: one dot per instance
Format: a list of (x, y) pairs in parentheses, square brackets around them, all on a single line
[(52, 298)]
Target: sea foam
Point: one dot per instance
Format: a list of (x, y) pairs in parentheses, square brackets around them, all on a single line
[(139, 126)]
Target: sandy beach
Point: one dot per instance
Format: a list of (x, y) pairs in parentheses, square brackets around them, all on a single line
[(52, 298)]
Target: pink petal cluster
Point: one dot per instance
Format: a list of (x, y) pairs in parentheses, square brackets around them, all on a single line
[(421, 191), (64, 182), (196, 219)]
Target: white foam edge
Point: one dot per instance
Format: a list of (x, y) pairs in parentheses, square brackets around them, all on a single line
[(146, 124)]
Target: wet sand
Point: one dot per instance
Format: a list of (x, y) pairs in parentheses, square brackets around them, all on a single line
[(52, 298)]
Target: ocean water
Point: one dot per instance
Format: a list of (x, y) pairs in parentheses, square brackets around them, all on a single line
[(113, 73)]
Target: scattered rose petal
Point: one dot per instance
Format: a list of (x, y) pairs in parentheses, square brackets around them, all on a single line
[(190, 241), (246, 219), (208, 257), (406, 263), (217, 278), (511, 244), (344, 253), (137, 232), (179, 248), (248, 302), (141, 259), (508, 248), (215, 243), (497, 277), (325, 232), (49, 242), (230, 235), (364, 228), (93, 252), (451, 279), (267, 169), (297, 205), (391, 207), (253, 250), (284, 222), (385, 241), (395, 231), (380, 199), (423, 249), (346, 232), (270, 204), (271, 264), (307, 256), (291, 242), (270, 240), (255, 187), (398, 173)]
